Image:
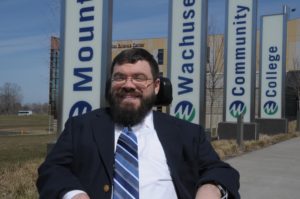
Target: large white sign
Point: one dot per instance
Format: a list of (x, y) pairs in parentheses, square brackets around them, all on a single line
[(82, 71), (272, 69), (187, 59), (240, 60)]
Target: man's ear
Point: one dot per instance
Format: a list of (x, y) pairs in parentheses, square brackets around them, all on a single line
[(157, 86)]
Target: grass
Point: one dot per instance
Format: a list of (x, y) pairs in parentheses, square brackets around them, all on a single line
[(22, 150), (21, 155), (230, 148), (24, 124)]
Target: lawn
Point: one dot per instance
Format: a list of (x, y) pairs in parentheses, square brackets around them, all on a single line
[(23, 145), (20, 157), (21, 154), (24, 124)]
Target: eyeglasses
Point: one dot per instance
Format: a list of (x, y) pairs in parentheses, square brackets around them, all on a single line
[(139, 80)]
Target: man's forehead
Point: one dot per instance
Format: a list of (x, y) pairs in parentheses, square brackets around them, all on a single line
[(138, 66)]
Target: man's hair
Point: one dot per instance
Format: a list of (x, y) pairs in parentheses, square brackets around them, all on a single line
[(134, 55)]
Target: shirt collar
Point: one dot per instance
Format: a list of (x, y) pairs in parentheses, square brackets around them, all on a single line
[(147, 122)]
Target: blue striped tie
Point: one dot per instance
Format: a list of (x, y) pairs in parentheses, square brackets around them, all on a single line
[(126, 176)]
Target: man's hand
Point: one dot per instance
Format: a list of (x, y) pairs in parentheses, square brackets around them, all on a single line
[(208, 191), (81, 196)]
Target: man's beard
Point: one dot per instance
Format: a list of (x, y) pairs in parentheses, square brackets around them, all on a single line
[(129, 115)]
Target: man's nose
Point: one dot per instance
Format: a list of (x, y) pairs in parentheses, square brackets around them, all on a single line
[(129, 83)]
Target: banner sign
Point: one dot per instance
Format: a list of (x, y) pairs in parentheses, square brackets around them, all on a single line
[(272, 65), (187, 58), (240, 42), (85, 25)]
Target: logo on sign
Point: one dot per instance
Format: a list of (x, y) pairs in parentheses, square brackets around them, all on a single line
[(270, 107), (80, 108), (237, 108), (185, 110)]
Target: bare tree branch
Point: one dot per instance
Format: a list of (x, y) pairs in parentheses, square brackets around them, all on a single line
[(214, 67), (10, 98)]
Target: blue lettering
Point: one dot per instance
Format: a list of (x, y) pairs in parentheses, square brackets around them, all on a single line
[(240, 53), (240, 50), (189, 67), (82, 1), (187, 41), (272, 84), (90, 37), (188, 2), (271, 93), (189, 14), (239, 80), (189, 27), (85, 54), (271, 73), (190, 56), (238, 91), (183, 85), (81, 86), (83, 12)]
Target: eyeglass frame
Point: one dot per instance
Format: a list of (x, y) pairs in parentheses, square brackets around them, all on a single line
[(138, 82)]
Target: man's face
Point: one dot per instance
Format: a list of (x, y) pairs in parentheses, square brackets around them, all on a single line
[(133, 92)]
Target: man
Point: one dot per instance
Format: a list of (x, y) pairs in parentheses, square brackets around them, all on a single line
[(168, 158)]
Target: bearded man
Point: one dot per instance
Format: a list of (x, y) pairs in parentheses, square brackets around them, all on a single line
[(128, 150)]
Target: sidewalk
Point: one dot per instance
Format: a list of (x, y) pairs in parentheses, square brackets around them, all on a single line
[(270, 173)]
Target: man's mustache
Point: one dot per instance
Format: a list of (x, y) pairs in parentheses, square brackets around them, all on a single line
[(128, 92)]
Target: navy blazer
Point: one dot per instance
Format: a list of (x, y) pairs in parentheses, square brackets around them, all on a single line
[(83, 158)]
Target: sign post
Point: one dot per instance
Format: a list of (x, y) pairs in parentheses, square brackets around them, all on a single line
[(86, 54), (272, 74), (187, 46), (240, 68)]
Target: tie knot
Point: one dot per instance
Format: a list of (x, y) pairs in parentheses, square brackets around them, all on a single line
[(127, 130)]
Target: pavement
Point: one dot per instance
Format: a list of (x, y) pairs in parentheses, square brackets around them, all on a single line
[(270, 173)]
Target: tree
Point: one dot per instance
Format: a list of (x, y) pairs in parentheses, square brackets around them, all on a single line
[(296, 84), (214, 68), (293, 89), (37, 108), (293, 79), (10, 98)]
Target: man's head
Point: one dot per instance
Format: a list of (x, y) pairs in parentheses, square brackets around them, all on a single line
[(134, 86)]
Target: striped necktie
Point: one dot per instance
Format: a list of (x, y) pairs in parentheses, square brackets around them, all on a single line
[(126, 174)]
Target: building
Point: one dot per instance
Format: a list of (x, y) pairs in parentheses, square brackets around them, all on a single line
[(157, 47), (215, 66), (54, 76)]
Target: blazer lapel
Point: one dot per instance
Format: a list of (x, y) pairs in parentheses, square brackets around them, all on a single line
[(170, 138), (103, 131)]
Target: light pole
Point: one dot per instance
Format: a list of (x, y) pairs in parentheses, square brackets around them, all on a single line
[(287, 11)]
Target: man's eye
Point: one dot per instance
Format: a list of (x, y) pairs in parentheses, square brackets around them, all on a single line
[(119, 78), (140, 78)]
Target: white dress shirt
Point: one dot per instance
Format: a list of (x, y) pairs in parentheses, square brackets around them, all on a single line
[(154, 175)]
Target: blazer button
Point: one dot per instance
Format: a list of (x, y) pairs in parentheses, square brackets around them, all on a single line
[(106, 188)]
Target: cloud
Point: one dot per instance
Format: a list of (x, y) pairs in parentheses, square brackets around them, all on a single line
[(23, 44)]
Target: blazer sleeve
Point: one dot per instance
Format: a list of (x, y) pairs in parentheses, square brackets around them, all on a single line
[(213, 170), (55, 176), (191, 157)]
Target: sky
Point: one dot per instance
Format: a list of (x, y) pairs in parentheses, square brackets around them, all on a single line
[(27, 25)]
